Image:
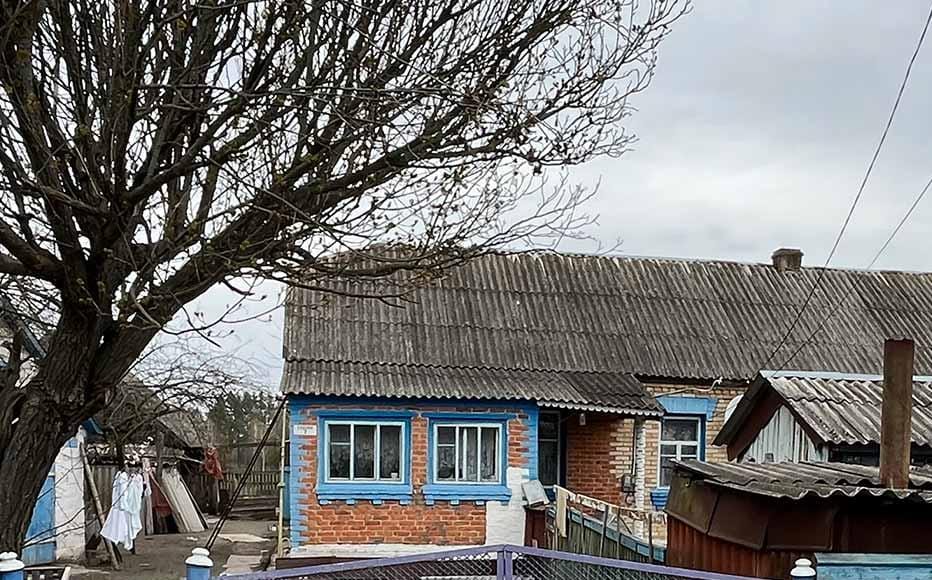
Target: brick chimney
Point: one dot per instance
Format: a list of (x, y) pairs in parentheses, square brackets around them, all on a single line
[(787, 260)]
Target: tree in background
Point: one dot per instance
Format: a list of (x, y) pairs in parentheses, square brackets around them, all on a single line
[(151, 149)]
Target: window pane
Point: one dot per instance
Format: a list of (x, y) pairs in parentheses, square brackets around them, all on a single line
[(390, 452), (363, 451), (549, 426), (446, 463), (547, 464), (680, 430), (339, 433), (446, 435), (689, 451), (469, 469), (488, 463), (668, 449), (666, 471), (339, 460)]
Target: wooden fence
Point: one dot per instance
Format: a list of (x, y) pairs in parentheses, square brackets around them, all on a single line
[(258, 484), (596, 528)]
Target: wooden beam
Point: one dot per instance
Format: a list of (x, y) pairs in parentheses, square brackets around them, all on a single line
[(896, 415)]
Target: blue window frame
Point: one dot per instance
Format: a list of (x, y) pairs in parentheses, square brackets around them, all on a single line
[(364, 455), (467, 457)]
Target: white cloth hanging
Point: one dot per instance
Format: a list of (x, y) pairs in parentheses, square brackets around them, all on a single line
[(124, 521)]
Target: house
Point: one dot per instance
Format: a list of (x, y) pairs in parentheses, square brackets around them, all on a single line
[(820, 416), (756, 519), (594, 372), (56, 531)]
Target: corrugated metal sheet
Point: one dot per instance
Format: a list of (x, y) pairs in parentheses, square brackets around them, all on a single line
[(592, 391), (656, 317), (782, 439), (848, 411), (798, 480)]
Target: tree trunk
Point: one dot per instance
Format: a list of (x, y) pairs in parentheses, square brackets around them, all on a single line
[(38, 437)]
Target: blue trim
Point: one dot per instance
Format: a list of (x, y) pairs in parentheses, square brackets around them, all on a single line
[(350, 491), (456, 492), (533, 447), (92, 427), (659, 497), (296, 493), (467, 491), (689, 405), (363, 414), (356, 490)]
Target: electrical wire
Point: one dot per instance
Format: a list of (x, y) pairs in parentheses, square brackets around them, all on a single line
[(857, 198), (856, 280), (242, 482)]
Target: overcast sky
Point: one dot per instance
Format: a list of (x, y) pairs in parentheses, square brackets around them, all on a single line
[(755, 134)]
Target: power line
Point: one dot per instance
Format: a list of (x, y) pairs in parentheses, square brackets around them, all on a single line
[(857, 198), (873, 261)]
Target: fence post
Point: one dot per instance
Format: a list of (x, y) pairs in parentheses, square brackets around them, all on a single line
[(803, 570), (504, 567), (10, 567), (198, 565)]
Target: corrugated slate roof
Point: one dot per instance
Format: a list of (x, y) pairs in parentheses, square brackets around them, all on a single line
[(842, 411), (833, 408), (587, 391), (799, 480), (645, 316)]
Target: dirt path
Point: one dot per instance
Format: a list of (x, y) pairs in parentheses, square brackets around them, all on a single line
[(162, 557)]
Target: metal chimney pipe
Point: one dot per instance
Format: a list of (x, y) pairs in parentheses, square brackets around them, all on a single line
[(896, 413)]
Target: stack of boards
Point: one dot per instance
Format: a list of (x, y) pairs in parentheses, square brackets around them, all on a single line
[(187, 514)]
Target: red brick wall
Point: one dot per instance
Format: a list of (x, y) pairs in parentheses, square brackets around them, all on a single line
[(367, 522), (593, 456)]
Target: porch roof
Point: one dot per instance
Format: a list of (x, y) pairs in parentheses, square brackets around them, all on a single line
[(588, 391)]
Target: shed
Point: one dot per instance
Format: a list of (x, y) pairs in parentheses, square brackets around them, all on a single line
[(820, 416), (755, 519)]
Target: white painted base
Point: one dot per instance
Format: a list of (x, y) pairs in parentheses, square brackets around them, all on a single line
[(369, 550), (504, 522), (69, 501)]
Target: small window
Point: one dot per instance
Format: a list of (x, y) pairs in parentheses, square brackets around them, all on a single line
[(679, 439), (364, 451), (548, 448), (467, 453)]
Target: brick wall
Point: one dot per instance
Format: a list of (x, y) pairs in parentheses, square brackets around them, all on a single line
[(597, 455), (712, 426), (417, 521)]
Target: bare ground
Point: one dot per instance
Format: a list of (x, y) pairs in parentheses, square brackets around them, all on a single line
[(162, 557)]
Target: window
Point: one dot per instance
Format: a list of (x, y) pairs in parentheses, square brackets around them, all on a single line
[(467, 453), (548, 449), (680, 438), (364, 451)]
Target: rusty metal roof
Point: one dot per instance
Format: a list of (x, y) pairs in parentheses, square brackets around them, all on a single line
[(585, 391), (649, 317), (833, 408), (800, 480)]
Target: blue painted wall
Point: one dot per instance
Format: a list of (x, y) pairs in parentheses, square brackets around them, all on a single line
[(39, 536), (873, 566)]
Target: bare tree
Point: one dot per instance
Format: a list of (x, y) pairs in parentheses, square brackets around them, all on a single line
[(150, 149)]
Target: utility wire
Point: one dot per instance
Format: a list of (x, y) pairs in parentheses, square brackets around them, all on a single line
[(857, 198), (242, 482), (856, 279)]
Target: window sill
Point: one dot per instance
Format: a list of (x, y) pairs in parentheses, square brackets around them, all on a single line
[(364, 491), (466, 492)]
